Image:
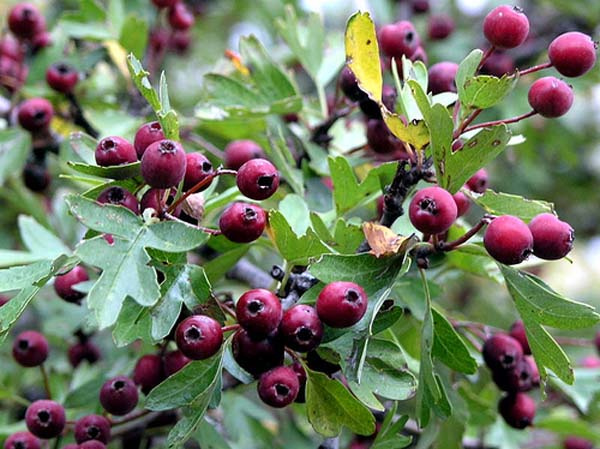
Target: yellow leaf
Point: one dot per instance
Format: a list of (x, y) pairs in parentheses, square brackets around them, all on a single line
[(119, 56), (385, 242), (415, 133)]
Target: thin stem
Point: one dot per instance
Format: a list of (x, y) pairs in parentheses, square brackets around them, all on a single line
[(206, 181), (449, 246), (500, 122), (201, 141), (210, 231), (78, 117), (46, 381), (225, 309), (231, 327), (535, 68), (129, 418), (485, 56), (292, 354), (57, 442), (466, 122), (357, 149)]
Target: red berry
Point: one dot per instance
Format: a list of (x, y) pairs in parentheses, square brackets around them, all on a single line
[(518, 410), (498, 64), (238, 152), (62, 77), (462, 203), (45, 419), (398, 39), (175, 361), (441, 77), (479, 181), (380, 138), (30, 349), (158, 41), (419, 55), (572, 54), (242, 222), (163, 164), (3, 300), (257, 354), (164, 3), (519, 378), (440, 27), (155, 199), (118, 196), (92, 444), (432, 210), (36, 176), (35, 114), (552, 238), (119, 395), (506, 26), (146, 135), (278, 387), (301, 328), (180, 40), (11, 48), (301, 375), (420, 6), (550, 97), (92, 427), (22, 440), (199, 337), (114, 150), (508, 240), (257, 179), (83, 351), (573, 442), (198, 168), (25, 20), (349, 85), (501, 352), (180, 17), (535, 373), (41, 40), (517, 331), (341, 304), (259, 312), (63, 284), (148, 372), (590, 362)]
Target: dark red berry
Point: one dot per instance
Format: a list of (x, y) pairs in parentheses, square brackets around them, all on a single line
[(35, 114), (498, 64), (119, 395), (45, 419), (518, 410), (36, 176), (301, 328), (341, 304), (506, 26), (3, 300), (573, 442), (199, 337), (278, 387), (175, 361), (380, 138), (163, 164), (462, 203), (118, 196), (388, 97), (572, 54), (92, 444), (419, 55), (158, 41), (508, 240), (62, 77), (552, 238), (238, 152), (257, 179), (198, 168), (87, 351), (63, 284), (22, 440), (146, 135), (501, 352), (25, 20), (432, 210), (519, 378), (148, 372), (398, 39), (517, 331), (242, 222), (479, 181), (535, 373), (349, 85), (41, 40), (180, 41), (440, 26), (420, 6), (180, 17), (164, 3), (317, 363), (257, 354), (301, 374), (114, 150), (597, 341), (92, 427), (442, 77), (30, 348), (550, 97), (11, 48), (259, 312)]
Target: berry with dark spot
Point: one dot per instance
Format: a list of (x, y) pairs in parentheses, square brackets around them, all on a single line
[(92, 427), (25, 20), (114, 150), (148, 372), (175, 361), (199, 337), (442, 77), (45, 419), (278, 387), (257, 354), (506, 26), (238, 152), (119, 395), (81, 351), (572, 54), (242, 222), (198, 168), (440, 26), (257, 179), (341, 304), (519, 378), (163, 164), (432, 210), (301, 328), (63, 284), (517, 331), (30, 349), (508, 240), (35, 114), (518, 410), (62, 77), (501, 352), (479, 181), (550, 97), (259, 312), (22, 440), (399, 39), (118, 196), (145, 136)]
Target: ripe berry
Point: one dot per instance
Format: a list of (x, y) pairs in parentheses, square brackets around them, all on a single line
[(498, 64), (11, 48), (22, 440), (572, 54), (501, 352), (30, 349), (198, 168), (349, 85), (533, 369), (83, 351), (317, 363), (36, 176), (25, 20), (573, 442), (341, 304), (278, 387), (508, 240), (238, 152), (419, 55), (199, 337), (301, 375), (420, 6), (118, 196), (3, 300), (35, 114), (550, 97), (242, 222), (432, 210), (114, 150), (517, 331), (164, 3), (441, 77), (40, 40), (146, 135), (155, 199), (148, 372), (163, 164), (174, 361), (92, 427), (380, 138), (462, 203), (180, 17), (259, 312), (62, 77), (301, 328), (398, 39), (92, 444), (552, 238), (180, 41), (256, 354), (63, 284), (388, 98), (506, 26), (45, 419), (257, 179), (519, 378), (479, 181), (119, 395), (440, 27), (518, 410)]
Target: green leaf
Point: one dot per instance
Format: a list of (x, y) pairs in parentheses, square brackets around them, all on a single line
[(40, 240), (390, 436), (216, 268), (296, 212), (279, 153), (466, 71), (134, 323), (12, 258), (84, 146), (124, 171), (506, 204), (14, 148), (134, 35), (449, 347), (584, 393), (568, 426), (482, 92)]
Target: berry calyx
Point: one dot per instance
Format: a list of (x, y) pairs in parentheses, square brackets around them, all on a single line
[(242, 222), (119, 395), (442, 77), (552, 238), (118, 196), (257, 179), (180, 17), (550, 97), (501, 352), (432, 210), (35, 114), (198, 168), (278, 387), (506, 26), (238, 152), (22, 440), (479, 182), (92, 427), (63, 284), (259, 312), (62, 77), (148, 372), (81, 351), (341, 304), (45, 419), (145, 136), (518, 410), (174, 361), (399, 39), (517, 331), (199, 337), (163, 164), (114, 150), (301, 328), (25, 20), (572, 54), (508, 240), (30, 348), (256, 354)]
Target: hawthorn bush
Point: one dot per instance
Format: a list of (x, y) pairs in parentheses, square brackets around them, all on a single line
[(308, 226)]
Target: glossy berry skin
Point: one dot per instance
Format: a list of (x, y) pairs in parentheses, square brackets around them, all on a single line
[(119, 395), (238, 152), (92, 444), (118, 196), (573, 442), (79, 352), (479, 182), (341, 304), (506, 27), (349, 85), (278, 387), (552, 238), (432, 210), (501, 352), (440, 27), (398, 39), (35, 114), (174, 361), (114, 150), (508, 240), (25, 20), (148, 372), (30, 349), (301, 328), (180, 17), (163, 164), (255, 354), (45, 419), (518, 410), (462, 203), (550, 97), (441, 77), (517, 331), (92, 427), (22, 440), (146, 135), (517, 379), (199, 337), (257, 179), (63, 284), (259, 312), (572, 54), (62, 77), (198, 168), (242, 222)]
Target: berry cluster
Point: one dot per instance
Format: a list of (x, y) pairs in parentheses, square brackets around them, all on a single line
[(177, 34)]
